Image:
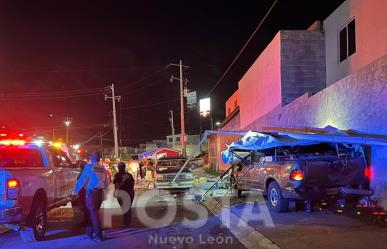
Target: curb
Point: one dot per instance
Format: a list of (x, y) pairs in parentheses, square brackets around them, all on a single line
[(248, 236)]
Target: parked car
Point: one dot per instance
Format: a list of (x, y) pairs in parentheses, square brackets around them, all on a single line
[(34, 178), (309, 172), (167, 169)]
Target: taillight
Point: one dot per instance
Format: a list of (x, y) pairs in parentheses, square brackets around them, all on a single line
[(368, 172), (296, 175), (13, 189)]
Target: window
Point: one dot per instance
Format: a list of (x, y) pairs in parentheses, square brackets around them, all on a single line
[(170, 140), (347, 41), (60, 159), (178, 139), (20, 157)]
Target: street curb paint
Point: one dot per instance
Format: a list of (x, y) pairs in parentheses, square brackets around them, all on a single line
[(249, 237)]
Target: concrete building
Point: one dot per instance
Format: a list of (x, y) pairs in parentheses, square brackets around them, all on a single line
[(336, 76), (357, 32)]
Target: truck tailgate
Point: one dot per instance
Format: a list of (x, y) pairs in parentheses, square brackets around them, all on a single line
[(333, 172)]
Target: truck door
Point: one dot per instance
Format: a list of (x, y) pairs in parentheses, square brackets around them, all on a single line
[(61, 175)]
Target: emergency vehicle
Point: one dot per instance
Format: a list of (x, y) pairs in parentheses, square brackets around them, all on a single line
[(35, 177)]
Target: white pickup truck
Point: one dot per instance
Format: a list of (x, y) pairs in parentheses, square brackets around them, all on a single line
[(33, 179)]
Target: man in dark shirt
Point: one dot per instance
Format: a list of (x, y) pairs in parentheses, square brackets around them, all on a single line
[(124, 181)]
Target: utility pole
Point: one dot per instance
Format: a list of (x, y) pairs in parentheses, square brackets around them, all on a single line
[(67, 122), (182, 126), (115, 128), (173, 129), (100, 141)]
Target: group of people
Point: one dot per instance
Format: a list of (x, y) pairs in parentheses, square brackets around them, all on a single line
[(89, 188)]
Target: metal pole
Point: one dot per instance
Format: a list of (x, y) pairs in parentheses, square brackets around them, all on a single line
[(182, 138), (173, 129), (115, 128), (100, 141), (67, 134)]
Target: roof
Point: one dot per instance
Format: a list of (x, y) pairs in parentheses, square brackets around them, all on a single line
[(293, 137)]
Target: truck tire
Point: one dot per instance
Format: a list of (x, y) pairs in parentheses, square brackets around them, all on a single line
[(36, 223), (275, 199), (235, 191)]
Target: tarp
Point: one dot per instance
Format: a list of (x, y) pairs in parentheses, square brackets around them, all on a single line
[(293, 137)]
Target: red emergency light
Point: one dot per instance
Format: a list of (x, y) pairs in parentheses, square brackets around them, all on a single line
[(15, 142)]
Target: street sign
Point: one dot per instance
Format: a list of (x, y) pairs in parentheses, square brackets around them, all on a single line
[(192, 100)]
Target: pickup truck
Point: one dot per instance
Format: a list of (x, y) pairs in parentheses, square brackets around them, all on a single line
[(302, 173), (34, 178), (166, 170)]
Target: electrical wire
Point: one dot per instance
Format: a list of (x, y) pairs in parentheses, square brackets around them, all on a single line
[(150, 105), (94, 136), (241, 51)]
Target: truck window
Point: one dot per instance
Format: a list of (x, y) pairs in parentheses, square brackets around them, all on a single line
[(60, 159), (20, 157)]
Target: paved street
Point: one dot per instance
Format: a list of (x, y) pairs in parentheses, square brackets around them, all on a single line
[(64, 233), (302, 230), (292, 230)]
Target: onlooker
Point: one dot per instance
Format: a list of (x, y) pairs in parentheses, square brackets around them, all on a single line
[(94, 180), (133, 167), (124, 181), (141, 170), (82, 197)]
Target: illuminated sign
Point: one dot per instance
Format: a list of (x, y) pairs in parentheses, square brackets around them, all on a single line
[(205, 107)]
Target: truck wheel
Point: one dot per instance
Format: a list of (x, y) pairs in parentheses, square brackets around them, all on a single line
[(276, 201), (36, 224), (234, 188)]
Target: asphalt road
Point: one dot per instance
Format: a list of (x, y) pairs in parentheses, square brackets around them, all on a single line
[(191, 228), (185, 229)]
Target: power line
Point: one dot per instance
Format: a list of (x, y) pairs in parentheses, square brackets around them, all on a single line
[(42, 98), (149, 76), (150, 105), (243, 48)]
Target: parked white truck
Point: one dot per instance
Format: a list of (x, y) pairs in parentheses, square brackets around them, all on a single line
[(34, 178)]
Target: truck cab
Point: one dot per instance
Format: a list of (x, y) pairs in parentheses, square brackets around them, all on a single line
[(167, 169)]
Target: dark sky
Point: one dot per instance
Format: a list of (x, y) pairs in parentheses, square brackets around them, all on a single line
[(61, 46)]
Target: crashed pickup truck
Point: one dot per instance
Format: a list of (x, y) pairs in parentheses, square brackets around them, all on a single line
[(287, 169)]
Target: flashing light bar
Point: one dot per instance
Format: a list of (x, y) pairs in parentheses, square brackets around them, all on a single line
[(16, 142)]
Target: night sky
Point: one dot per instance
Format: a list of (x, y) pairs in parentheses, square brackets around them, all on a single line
[(50, 50)]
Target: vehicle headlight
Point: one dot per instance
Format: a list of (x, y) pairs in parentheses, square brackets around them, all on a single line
[(159, 177)]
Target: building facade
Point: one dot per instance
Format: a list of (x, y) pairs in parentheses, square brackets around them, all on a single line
[(335, 76)]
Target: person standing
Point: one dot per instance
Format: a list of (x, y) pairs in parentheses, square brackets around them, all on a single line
[(82, 197), (94, 179), (124, 181)]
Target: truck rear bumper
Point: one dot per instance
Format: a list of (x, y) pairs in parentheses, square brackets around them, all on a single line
[(10, 215), (321, 193)]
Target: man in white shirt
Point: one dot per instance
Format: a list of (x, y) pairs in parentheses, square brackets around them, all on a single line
[(94, 179)]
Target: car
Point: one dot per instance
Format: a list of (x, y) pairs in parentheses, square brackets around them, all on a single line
[(167, 169), (34, 178), (302, 173)]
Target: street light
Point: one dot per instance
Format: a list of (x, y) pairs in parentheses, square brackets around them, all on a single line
[(67, 122)]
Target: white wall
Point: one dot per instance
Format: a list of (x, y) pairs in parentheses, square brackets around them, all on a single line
[(371, 36)]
